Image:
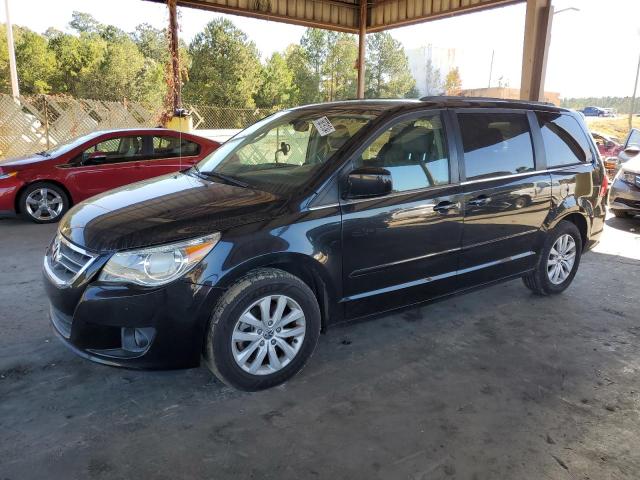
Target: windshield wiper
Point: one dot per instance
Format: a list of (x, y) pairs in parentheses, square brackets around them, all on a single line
[(223, 177), (43, 154)]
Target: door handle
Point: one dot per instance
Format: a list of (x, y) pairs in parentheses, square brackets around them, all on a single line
[(479, 201), (444, 207)]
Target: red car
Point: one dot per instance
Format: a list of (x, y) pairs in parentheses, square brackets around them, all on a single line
[(42, 187), (607, 146)]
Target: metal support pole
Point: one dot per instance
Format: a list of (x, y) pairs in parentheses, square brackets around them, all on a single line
[(633, 98), (15, 89), (362, 47), (175, 54), (537, 36)]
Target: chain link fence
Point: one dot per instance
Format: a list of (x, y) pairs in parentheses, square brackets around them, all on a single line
[(32, 124)]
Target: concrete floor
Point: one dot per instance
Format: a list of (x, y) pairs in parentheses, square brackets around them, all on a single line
[(498, 384)]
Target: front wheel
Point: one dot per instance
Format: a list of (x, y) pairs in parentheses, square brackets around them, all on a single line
[(263, 330), (558, 262), (43, 202)]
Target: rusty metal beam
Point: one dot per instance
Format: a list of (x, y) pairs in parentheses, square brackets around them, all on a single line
[(537, 34), (174, 50), (362, 46)]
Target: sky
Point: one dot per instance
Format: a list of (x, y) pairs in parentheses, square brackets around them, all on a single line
[(594, 51)]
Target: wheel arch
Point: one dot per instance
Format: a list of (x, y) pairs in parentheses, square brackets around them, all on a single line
[(53, 182), (580, 221), (307, 269)]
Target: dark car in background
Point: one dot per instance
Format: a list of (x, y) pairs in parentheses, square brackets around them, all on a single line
[(597, 112), (43, 186), (318, 215)]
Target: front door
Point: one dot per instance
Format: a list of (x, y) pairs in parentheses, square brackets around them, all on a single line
[(506, 199), (403, 247), (107, 164)]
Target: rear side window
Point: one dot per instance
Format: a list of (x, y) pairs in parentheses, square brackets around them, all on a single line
[(495, 144), (564, 141), (169, 147)]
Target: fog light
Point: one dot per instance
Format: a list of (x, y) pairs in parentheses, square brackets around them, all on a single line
[(137, 339)]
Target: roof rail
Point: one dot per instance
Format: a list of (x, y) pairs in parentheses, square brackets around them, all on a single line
[(441, 98)]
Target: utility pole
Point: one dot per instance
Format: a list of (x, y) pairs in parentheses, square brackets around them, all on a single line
[(174, 48), (15, 90), (633, 97), (493, 52), (362, 47)]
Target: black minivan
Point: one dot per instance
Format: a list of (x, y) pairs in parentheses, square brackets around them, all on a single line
[(318, 215)]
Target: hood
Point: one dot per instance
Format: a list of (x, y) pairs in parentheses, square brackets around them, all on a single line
[(23, 162), (162, 210)]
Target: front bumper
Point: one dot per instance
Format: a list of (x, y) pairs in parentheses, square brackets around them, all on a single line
[(624, 197), (9, 188), (126, 326)]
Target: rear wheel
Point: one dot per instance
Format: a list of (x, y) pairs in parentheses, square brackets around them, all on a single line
[(43, 202), (558, 262), (263, 330)]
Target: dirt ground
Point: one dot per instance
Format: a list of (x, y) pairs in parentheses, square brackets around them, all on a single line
[(497, 384)]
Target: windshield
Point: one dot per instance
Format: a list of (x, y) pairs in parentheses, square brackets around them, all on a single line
[(69, 145), (284, 151)]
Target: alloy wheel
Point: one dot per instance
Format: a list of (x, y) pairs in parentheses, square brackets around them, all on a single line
[(562, 257), (44, 204), (268, 335)]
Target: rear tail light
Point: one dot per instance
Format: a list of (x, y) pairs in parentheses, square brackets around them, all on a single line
[(604, 186)]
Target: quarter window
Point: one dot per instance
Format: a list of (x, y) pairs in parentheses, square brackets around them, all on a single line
[(413, 151), (495, 144), (170, 147), (564, 141)]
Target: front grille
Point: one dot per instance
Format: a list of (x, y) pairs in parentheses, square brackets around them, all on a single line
[(65, 261)]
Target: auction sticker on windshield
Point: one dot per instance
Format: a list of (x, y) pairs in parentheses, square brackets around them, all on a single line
[(324, 126)]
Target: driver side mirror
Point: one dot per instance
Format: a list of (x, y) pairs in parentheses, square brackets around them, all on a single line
[(366, 182)]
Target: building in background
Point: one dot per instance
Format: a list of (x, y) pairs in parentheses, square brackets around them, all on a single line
[(429, 66)]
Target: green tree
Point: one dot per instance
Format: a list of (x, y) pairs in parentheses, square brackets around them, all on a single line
[(387, 68), (277, 88), (315, 48), (152, 42), (434, 84), (304, 77), (84, 22), (338, 73), (35, 62), (225, 67), (453, 82)]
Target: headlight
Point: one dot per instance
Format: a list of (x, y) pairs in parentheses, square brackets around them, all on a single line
[(630, 178), (157, 265), (7, 175)]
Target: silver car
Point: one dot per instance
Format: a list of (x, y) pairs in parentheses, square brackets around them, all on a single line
[(624, 195)]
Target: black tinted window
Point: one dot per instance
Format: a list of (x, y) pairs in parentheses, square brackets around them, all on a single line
[(168, 147), (564, 141), (414, 151), (495, 144)]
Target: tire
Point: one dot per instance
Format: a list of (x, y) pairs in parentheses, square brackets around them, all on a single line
[(56, 205), (539, 281), (620, 213), (223, 352)]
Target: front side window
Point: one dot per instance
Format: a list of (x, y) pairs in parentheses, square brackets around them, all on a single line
[(495, 144), (114, 150), (564, 141), (171, 147), (413, 151), (284, 151)]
